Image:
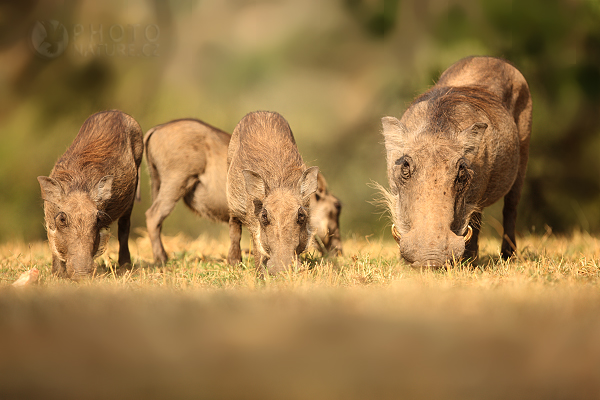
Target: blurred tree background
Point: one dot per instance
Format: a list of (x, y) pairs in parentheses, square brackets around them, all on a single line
[(331, 68)]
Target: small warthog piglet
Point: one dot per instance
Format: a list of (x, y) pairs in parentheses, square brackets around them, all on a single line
[(187, 159), (268, 190), (92, 184), (325, 211)]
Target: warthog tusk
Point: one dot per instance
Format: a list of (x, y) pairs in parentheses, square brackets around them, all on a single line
[(469, 233), (396, 234)]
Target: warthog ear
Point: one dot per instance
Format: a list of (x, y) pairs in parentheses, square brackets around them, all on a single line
[(51, 189), (472, 137), (393, 132), (308, 182), (103, 190), (255, 185), (321, 183)]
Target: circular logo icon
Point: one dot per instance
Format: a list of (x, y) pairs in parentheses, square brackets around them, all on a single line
[(49, 38)]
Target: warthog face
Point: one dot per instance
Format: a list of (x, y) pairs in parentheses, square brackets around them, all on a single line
[(283, 215), (429, 182), (325, 211), (77, 230)]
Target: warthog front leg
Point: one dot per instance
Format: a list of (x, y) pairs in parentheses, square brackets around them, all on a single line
[(509, 219), (124, 225), (235, 235), (511, 201)]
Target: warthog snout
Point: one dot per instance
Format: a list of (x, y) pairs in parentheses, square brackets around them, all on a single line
[(422, 251), (280, 264), (80, 267)]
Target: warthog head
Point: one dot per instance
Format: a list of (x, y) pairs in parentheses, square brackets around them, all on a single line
[(325, 211), (77, 229), (283, 214), (430, 179)]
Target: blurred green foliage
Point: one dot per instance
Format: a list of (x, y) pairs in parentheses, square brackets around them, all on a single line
[(332, 68)]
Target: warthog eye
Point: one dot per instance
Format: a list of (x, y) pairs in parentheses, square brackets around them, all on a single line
[(264, 217), (301, 216), (61, 220), (317, 197), (403, 168), (103, 219)]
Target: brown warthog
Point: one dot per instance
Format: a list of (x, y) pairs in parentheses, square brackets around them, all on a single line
[(325, 211), (187, 159), (459, 147), (268, 190), (92, 184)]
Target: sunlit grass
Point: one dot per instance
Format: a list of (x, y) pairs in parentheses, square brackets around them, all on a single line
[(546, 260)]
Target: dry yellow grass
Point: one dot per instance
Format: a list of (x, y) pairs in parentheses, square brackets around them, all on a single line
[(544, 261), (361, 326)]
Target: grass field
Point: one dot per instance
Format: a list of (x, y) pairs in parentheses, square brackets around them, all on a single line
[(363, 326)]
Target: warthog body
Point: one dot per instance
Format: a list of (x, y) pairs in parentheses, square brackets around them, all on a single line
[(268, 190), (92, 185), (458, 148), (187, 159)]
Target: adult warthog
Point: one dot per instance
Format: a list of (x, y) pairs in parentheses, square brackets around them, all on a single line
[(458, 148)]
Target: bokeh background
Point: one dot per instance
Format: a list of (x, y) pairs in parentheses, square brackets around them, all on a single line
[(333, 68)]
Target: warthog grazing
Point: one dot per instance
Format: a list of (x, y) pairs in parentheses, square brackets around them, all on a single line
[(188, 159), (459, 147), (268, 190), (92, 185), (325, 211)]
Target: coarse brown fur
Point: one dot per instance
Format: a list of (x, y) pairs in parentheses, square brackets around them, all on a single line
[(187, 159), (458, 148), (92, 184), (268, 190)]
